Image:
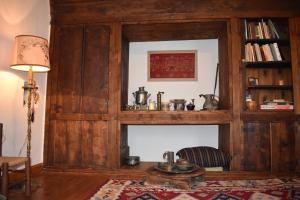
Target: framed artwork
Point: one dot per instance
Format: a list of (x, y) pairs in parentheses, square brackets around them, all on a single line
[(172, 65)]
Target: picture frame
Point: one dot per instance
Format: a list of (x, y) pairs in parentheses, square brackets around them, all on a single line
[(172, 65), (253, 81)]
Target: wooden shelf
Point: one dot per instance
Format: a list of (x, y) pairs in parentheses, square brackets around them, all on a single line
[(175, 117), (270, 87), (268, 64), (278, 115), (268, 41)]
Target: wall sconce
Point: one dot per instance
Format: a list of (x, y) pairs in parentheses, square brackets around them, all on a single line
[(30, 54)]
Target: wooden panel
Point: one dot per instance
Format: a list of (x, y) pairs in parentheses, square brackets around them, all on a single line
[(224, 87), (124, 73), (72, 143), (297, 145), (94, 143), (224, 138), (256, 147), (236, 137), (270, 116), (64, 144), (58, 130), (270, 76), (95, 11), (124, 152), (173, 31), (175, 117), (295, 56), (69, 61), (95, 73), (283, 147)]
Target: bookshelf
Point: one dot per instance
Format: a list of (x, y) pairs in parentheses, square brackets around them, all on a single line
[(267, 75)]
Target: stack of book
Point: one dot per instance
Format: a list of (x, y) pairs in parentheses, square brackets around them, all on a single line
[(261, 30), (265, 52), (277, 104)]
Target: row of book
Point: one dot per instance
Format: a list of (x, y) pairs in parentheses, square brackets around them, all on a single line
[(261, 30), (277, 104), (265, 52), (276, 107)]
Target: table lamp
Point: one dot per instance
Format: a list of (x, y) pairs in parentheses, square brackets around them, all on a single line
[(30, 54)]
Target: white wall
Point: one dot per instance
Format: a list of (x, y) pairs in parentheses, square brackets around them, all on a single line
[(149, 142), (21, 17)]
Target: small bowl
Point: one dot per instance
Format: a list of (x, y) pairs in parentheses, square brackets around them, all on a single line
[(132, 160), (184, 167), (183, 164)]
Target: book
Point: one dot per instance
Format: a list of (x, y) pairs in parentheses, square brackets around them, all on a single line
[(273, 29), (265, 30), (273, 52), (246, 29), (249, 53), (272, 34), (259, 30), (276, 107), (277, 52), (257, 52), (267, 52)]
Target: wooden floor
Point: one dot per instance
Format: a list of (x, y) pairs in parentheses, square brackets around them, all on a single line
[(80, 185), (61, 186)]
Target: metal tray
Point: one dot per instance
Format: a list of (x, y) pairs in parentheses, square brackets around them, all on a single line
[(175, 169)]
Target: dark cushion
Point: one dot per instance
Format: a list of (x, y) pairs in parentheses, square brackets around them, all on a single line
[(205, 156)]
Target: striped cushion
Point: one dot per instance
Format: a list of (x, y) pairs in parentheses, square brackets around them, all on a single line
[(205, 156)]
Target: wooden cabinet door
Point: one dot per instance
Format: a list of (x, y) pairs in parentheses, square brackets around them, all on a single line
[(95, 72), (283, 146), (77, 136), (256, 147), (270, 146), (67, 65)]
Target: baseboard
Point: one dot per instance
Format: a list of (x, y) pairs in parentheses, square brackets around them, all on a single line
[(17, 175)]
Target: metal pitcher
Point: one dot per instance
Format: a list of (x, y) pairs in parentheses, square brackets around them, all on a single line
[(141, 96), (210, 103), (169, 156)]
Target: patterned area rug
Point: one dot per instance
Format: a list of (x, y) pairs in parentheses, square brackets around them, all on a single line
[(269, 189)]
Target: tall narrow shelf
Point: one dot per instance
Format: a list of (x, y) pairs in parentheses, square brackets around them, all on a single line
[(267, 75)]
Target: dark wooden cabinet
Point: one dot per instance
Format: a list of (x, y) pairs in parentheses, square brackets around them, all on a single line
[(257, 147), (86, 121), (269, 146), (78, 86)]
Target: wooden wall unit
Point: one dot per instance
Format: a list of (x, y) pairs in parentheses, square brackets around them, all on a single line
[(86, 125), (78, 97)]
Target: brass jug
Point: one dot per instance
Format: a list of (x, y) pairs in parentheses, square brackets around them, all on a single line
[(210, 103)]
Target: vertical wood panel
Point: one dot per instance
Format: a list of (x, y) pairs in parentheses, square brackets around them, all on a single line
[(297, 145), (295, 55), (235, 85), (124, 144), (69, 55), (95, 73), (59, 147), (224, 138), (256, 146), (283, 146), (95, 145), (124, 73), (224, 89), (73, 143), (113, 150)]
